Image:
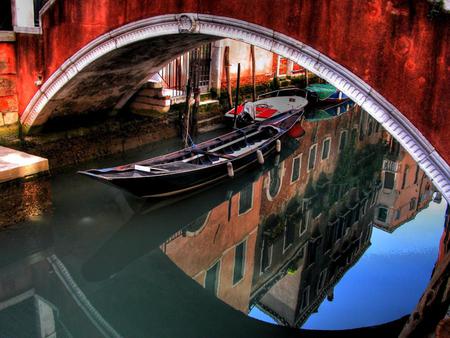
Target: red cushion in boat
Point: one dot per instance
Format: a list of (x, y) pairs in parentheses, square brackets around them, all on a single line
[(264, 113), (239, 110)]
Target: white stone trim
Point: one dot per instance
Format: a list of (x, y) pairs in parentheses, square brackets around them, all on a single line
[(371, 101)]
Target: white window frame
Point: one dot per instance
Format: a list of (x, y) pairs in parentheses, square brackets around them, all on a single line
[(218, 274), (300, 232), (323, 147), (243, 264), (261, 271), (285, 248), (299, 157), (251, 205), (309, 156), (305, 300), (340, 140)]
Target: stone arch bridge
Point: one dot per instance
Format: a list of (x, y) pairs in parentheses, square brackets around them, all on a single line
[(390, 57)]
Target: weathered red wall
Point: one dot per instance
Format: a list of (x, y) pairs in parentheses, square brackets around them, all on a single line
[(393, 45), (8, 81)]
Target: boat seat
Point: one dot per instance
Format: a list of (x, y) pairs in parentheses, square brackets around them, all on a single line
[(214, 154)]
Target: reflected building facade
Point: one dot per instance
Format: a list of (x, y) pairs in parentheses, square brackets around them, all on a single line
[(404, 191), (285, 240)]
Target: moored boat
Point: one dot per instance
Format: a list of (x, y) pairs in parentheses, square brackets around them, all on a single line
[(202, 164), (329, 111), (319, 93), (271, 104)]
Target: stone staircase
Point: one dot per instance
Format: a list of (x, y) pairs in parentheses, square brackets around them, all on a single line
[(151, 98)]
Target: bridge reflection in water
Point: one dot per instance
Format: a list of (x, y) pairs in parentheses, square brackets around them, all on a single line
[(277, 239)]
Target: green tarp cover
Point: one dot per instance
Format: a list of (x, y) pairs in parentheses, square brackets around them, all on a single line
[(323, 90)]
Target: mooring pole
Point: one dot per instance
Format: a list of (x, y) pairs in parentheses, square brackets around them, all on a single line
[(252, 52), (226, 60), (186, 116), (194, 120), (236, 103)]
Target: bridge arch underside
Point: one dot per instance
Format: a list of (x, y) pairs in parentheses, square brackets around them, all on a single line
[(106, 72), (108, 82)]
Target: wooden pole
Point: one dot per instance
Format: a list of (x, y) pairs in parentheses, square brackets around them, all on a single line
[(252, 50), (227, 75), (196, 101), (236, 103), (186, 116)]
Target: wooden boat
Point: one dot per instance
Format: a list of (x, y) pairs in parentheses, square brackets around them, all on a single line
[(202, 164), (271, 104)]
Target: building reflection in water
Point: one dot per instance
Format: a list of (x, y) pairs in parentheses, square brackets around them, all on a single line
[(285, 240), (279, 240)]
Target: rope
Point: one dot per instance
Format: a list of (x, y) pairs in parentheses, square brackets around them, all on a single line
[(193, 145)]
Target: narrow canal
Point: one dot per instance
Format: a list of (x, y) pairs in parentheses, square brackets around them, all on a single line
[(339, 231)]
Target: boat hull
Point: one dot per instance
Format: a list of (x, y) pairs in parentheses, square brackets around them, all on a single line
[(165, 186), (205, 164)]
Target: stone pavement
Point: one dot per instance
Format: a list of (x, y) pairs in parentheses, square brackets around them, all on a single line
[(16, 164)]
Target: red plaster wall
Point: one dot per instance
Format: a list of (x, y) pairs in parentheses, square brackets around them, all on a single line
[(8, 78), (392, 45)]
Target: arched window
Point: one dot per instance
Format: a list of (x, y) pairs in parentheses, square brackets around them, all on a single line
[(275, 181), (312, 157), (197, 225), (343, 140)]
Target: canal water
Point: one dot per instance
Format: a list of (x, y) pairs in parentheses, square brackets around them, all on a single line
[(339, 231)]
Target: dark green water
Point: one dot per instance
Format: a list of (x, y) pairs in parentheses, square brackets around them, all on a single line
[(338, 232)]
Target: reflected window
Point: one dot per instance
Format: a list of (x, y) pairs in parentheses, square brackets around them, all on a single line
[(197, 225), (312, 157), (239, 262), (326, 148), (275, 179), (343, 140), (416, 175), (412, 204), (296, 167), (389, 180), (382, 214), (354, 133), (246, 199), (361, 125), (301, 227), (398, 214), (322, 280), (370, 128), (266, 256), (405, 175), (305, 298), (377, 128), (289, 235), (212, 278)]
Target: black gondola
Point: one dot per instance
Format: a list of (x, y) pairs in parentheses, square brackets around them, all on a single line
[(202, 164)]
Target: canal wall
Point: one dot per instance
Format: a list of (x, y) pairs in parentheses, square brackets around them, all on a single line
[(8, 83)]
